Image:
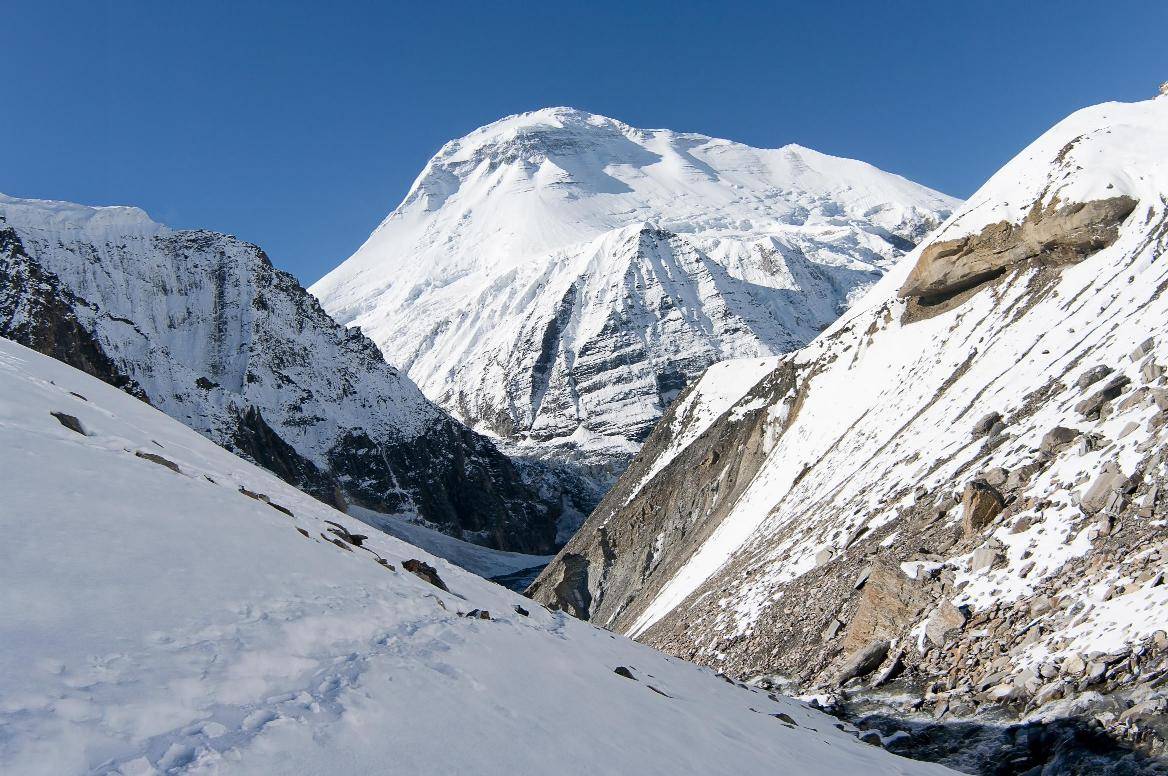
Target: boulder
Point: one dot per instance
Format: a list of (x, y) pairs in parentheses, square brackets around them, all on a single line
[(986, 557), (893, 669), (1092, 376), (980, 503), (1143, 349), (1073, 665), (1094, 672), (1092, 406), (158, 459), (945, 621), (863, 662), (625, 672), (985, 423), (1049, 692), (424, 571), (1002, 693), (1109, 482), (891, 602), (1152, 709), (1058, 438), (996, 477)]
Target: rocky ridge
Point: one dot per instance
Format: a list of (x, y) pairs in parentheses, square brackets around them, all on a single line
[(977, 539), (203, 327)]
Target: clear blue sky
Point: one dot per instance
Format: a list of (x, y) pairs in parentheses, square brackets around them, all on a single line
[(299, 126)]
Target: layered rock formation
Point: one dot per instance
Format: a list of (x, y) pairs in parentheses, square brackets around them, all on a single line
[(954, 512), (204, 328)]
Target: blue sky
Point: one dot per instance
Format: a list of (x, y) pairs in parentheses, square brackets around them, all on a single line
[(299, 126)]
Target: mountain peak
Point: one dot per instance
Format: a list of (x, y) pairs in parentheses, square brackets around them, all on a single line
[(510, 280)]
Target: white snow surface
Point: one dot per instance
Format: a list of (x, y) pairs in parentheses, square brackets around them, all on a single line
[(559, 271), (893, 403), (156, 621)]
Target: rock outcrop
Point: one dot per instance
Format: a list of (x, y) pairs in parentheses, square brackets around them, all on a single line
[(1054, 234)]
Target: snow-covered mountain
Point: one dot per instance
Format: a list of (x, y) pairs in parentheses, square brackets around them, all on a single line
[(202, 326), (555, 278), (170, 608), (962, 481)]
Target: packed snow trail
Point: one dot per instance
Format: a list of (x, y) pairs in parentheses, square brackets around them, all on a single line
[(162, 612)]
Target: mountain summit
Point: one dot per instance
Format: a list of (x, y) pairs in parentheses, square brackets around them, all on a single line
[(556, 277)]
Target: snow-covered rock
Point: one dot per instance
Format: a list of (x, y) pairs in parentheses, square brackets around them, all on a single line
[(168, 607), (1030, 391), (205, 328), (557, 277)]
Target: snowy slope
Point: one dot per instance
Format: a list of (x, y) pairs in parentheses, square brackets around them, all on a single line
[(205, 328), (555, 278), (992, 456), (162, 621)]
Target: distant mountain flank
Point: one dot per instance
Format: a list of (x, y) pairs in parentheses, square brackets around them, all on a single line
[(556, 278), (204, 328)]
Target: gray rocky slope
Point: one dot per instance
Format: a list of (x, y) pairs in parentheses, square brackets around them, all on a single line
[(948, 512), (203, 327)]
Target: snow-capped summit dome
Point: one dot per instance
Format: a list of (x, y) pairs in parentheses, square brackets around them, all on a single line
[(520, 274)]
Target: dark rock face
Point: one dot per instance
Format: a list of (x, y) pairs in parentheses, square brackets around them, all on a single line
[(238, 350), (477, 494), (257, 441), (38, 312), (1056, 235)]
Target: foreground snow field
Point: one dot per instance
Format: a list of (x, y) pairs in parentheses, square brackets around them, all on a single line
[(155, 620)]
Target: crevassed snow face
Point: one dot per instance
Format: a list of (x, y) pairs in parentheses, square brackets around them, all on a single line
[(512, 288)]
